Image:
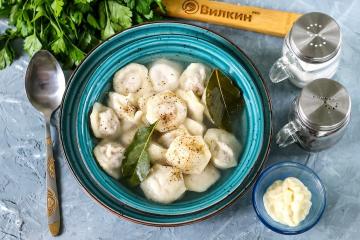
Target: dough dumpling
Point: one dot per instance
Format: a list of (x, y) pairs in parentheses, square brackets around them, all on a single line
[(164, 184), (104, 122), (146, 91), (167, 138), (142, 100), (135, 122), (130, 78), (157, 153), (164, 75), (224, 148), (188, 153), (194, 127), (166, 107), (201, 182), (127, 136), (194, 77), (129, 128), (122, 106), (110, 155), (195, 107)]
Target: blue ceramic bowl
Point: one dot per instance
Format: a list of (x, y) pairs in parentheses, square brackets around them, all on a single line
[(281, 171), (182, 42)]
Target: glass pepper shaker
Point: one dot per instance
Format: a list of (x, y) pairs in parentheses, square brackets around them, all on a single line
[(311, 50), (319, 116)]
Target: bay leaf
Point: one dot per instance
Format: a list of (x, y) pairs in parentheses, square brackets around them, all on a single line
[(224, 101), (136, 165)]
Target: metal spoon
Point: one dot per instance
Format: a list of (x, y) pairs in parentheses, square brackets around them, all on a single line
[(45, 86)]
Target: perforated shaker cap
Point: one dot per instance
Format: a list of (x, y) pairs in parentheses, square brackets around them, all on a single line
[(315, 37), (324, 104)]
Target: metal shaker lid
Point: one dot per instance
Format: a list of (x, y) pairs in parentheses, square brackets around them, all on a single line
[(324, 104), (315, 37)]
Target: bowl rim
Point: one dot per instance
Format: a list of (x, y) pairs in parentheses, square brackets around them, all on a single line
[(267, 141), (277, 165)]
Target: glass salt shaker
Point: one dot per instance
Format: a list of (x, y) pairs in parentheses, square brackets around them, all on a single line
[(311, 50), (319, 116)]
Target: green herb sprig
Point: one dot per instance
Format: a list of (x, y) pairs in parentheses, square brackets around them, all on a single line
[(69, 28), (136, 164), (224, 101)]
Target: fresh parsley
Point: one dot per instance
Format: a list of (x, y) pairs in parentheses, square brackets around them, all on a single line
[(69, 28)]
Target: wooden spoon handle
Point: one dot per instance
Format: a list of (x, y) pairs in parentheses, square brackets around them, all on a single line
[(53, 211), (267, 21)]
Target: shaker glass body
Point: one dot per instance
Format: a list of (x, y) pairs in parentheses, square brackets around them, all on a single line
[(300, 72), (311, 50), (296, 131)]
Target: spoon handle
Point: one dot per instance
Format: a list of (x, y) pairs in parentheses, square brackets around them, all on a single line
[(52, 194)]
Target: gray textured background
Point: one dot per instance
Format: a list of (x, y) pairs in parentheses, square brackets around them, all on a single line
[(22, 178)]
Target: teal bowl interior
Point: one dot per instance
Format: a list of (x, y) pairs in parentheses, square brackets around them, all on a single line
[(181, 42)]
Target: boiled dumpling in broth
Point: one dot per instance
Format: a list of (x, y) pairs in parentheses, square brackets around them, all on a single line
[(166, 107), (132, 98), (144, 94), (135, 122), (122, 105), (129, 128), (188, 153), (127, 136), (202, 181), (130, 78), (164, 75), (166, 138), (142, 100), (182, 153), (157, 153), (164, 184), (195, 107), (104, 122), (110, 155), (194, 78), (194, 127), (224, 147)]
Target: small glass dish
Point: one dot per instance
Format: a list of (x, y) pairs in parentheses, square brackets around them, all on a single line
[(280, 171)]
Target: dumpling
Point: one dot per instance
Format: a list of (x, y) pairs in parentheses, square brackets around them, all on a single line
[(135, 122), (142, 100), (104, 122), (144, 94), (194, 127), (188, 153), (127, 136), (157, 153), (130, 78), (132, 98), (201, 182), (194, 77), (224, 147), (195, 107), (129, 128), (164, 75), (164, 184), (167, 138), (110, 155), (122, 106), (166, 107)]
